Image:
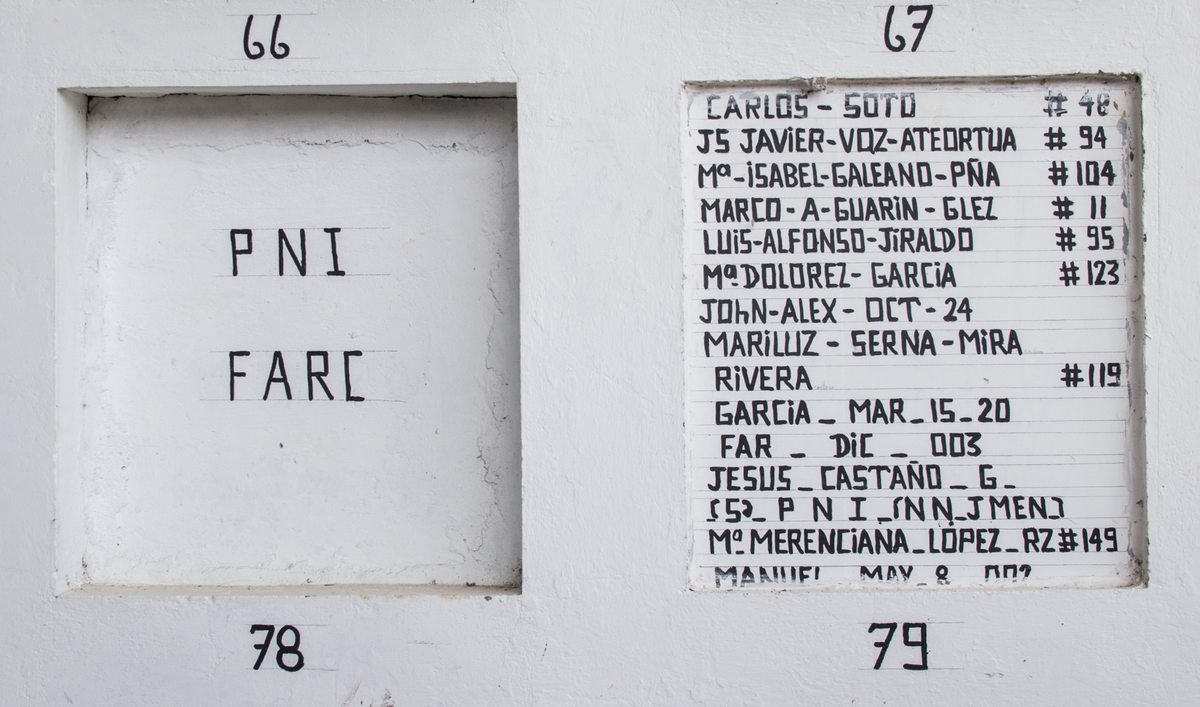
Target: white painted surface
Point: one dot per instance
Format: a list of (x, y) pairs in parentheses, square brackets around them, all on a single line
[(184, 471), (604, 616)]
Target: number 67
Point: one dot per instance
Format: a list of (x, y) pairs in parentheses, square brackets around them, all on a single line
[(919, 26)]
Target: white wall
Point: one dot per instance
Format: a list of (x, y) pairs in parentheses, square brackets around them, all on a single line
[(604, 615)]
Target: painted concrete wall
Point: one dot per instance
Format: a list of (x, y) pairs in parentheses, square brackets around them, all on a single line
[(604, 615)]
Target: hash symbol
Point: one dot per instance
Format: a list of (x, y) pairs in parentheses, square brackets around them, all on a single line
[(1054, 104), (1058, 173), (1055, 138), (1066, 239), (1062, 207), (1071, 375), (1070, 274), (1066, 540)]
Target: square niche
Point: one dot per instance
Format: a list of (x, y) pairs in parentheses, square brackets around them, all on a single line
[(297, 359)]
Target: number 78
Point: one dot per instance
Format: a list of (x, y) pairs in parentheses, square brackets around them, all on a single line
[(284, 648)]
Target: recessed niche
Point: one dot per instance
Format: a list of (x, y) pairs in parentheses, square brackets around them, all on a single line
[(297, 363)]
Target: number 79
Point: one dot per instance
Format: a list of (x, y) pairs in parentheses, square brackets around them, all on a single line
[(906, 633)]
